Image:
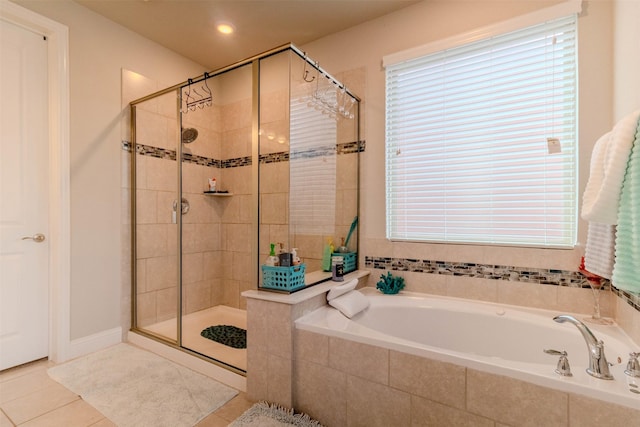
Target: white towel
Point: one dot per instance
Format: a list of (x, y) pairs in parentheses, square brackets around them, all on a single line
[(598, 257), (341, 289), (350, 304), (608, 164)]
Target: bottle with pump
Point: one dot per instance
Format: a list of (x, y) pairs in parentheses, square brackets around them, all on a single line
[(295, 257)]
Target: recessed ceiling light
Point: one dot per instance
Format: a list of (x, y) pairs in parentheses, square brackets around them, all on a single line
[(225, 28)]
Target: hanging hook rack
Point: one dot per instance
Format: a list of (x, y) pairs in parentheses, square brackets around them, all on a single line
[(200, 100), (333, 98), (187, 95), (306, 72)]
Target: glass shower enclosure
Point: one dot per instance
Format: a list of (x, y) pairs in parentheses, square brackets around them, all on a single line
[(268, 154)]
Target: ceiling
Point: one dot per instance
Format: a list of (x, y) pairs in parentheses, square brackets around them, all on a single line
[(188, 27)]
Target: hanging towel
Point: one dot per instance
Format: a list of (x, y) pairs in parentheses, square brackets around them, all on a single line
[(598, 256), (608, 162), (626, 270)]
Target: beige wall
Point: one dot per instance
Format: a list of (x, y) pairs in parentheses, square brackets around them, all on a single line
[(626, 57), (99, 49)]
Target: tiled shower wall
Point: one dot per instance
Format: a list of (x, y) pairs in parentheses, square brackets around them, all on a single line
[(215, 233), (274, 179), (216, 230)]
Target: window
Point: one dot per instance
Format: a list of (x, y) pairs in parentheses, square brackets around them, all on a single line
[(481, 140)]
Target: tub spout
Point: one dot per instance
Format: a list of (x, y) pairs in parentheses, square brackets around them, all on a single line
[(598, 365)]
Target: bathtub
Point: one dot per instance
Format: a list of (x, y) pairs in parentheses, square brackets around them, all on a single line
[(494, 338)]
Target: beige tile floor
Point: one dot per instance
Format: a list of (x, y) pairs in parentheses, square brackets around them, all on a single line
[(29, 398)]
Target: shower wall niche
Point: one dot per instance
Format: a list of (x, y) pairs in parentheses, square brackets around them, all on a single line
[(280, 137)]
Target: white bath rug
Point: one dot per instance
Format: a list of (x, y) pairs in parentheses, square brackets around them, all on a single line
[(264, 415), (133, 387)]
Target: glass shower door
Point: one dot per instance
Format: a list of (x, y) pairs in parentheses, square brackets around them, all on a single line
[(216, 249), (156, 208)]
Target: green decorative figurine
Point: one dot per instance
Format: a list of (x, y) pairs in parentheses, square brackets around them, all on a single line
[(390, 284)]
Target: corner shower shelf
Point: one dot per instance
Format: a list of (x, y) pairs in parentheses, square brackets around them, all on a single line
[(217, 194)]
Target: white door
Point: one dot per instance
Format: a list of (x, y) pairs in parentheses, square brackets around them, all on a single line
[(24, 270)]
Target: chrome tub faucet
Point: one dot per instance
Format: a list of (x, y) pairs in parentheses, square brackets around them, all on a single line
[(598, 365)]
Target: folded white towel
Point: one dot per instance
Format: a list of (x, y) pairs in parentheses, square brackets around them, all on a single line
[(350, 303), (599, 253), (608, 164), (342, 289)]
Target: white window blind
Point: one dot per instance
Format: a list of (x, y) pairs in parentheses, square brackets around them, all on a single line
[(312, 170), (467, 152)]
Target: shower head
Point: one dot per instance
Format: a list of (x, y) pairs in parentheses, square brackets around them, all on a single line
[(189, 135)]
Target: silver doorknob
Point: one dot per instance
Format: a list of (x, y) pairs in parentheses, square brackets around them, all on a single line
[(38, 238)]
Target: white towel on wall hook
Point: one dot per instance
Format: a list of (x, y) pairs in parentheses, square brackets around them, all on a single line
[(608, 164)]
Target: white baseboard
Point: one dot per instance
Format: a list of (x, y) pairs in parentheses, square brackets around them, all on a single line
[(86, 345), (209, 369)]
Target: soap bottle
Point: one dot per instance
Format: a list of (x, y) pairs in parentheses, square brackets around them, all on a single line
[(326, 255), (295, 257), (272, 259)]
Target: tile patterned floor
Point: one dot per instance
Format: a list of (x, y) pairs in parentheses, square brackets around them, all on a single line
[(29, 398)]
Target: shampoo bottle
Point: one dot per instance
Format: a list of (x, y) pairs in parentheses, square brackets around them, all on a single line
[(212, 185), (326, 255)]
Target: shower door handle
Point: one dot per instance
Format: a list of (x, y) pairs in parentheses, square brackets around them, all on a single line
[(184, 209), (38, 238)]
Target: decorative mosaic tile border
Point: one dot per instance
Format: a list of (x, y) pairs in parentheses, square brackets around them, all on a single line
[(352, 147), (160, 153), (496, 272), (201, 160), (632, 299), (481, 271), (346, 148), (316, 152), (284, 156), (235, 162)]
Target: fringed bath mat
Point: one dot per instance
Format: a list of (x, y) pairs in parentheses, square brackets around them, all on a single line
[(135, 388), (228, 335), (264, 415)]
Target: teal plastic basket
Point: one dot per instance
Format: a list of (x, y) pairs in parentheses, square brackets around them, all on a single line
[(349, 260), (283, 278)]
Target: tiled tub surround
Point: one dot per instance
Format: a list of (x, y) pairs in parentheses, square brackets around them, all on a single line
[(452, 369), (346, 382), (270, 338)]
